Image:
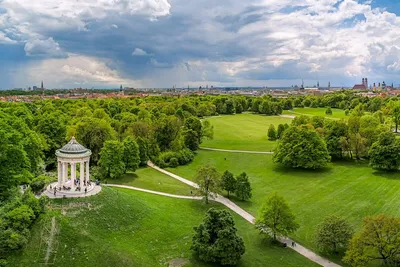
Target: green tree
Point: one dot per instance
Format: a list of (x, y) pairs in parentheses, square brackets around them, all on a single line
[(21, 217), (131, 157), (378, 242), (111, 159), (228, 182), (328, 111), (271, 133), (333, 234), (395, 113), (384, 154), (243, 187), (143, 150), (281, 129), (92, 133), (302, 147), (216, 240), (300, 120), (208, 180), (191, 139), (275, 217)]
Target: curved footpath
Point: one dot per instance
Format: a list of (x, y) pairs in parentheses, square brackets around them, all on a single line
[(247, 216), (237, 151)]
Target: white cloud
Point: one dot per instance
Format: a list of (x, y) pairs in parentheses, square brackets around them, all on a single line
[(139, 52), (75, 71), (43, 48)]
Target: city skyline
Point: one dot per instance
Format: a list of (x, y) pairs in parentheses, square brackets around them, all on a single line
[(171, 42)]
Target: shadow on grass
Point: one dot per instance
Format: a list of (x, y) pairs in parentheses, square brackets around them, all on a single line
[(392, 175), (301, 171)]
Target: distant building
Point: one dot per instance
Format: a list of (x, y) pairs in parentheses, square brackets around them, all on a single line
[(362, 86)]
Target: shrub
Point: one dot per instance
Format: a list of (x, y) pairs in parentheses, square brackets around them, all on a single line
[(173, 163), (39, 183)]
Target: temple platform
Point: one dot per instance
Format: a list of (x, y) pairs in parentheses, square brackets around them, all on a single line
[(93, 189)]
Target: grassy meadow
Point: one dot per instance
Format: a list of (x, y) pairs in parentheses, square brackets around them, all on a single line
[(243, 132), (121, 227), (151, 179), (348, 189), (336, 113)]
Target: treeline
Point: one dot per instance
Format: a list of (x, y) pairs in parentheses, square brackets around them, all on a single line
[(312, 142)]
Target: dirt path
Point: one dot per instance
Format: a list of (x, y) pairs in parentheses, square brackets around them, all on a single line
[(50, 242)]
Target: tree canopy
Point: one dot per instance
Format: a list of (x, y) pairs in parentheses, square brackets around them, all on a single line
[(216, 240), (302, 147)]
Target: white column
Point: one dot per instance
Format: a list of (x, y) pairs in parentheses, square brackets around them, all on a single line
[(73, 174), (65, 173), (82, 174), (87, 171), (59, 173)]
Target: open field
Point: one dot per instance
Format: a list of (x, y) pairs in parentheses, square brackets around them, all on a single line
[(148, 178), (336, 113), (348, 189), (243, 132), (121, 227)]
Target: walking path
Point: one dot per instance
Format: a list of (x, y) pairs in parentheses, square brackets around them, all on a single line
[(237, 151), (247, 216), (153, 192)]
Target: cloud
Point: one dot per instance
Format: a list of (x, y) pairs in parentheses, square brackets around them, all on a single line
[(75, 71), (43, 48), (139, 52), (227, 42)]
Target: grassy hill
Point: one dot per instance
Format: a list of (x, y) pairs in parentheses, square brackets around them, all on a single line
[(120, 227)]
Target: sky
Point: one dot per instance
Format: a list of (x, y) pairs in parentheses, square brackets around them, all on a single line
[(165, 43)]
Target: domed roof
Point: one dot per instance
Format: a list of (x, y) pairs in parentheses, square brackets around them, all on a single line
[(73, 147)]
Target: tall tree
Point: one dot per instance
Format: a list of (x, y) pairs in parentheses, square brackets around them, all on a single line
[(243, 187), (302, 147), (384, 154), (216, 240), (275, 217), (228, 182), (111, 159), (272, 133), (378, 242), (92, 133), (281, 129), (333, 234), (208, 180), (131, 157)]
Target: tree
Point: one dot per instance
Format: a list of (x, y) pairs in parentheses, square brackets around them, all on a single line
[(92, 133), (333, 234), (378, 242), (216, 240), (131, 157), (271, 133), (281, 129), (143, 150), (111, 159), (207, 178), (300, 120), (275, 217), (328, 111), (384, 154), (302, 147), (243, 187), (395, 112), (191, 139), (228, 182)]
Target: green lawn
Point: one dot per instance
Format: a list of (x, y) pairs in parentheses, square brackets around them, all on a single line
[(120, 227), (347, 189), (151, 179), (336, 113), (243, 132)]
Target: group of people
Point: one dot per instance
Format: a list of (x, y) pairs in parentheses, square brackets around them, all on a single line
[(76, 183)]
